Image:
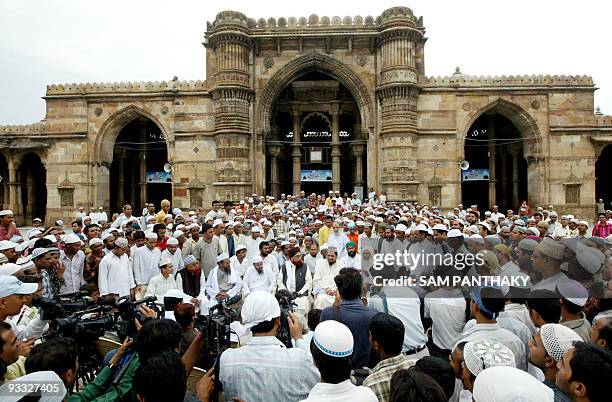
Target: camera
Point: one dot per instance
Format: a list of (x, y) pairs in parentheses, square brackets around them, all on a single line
[(216, 326), (128, 311), (285, 301)]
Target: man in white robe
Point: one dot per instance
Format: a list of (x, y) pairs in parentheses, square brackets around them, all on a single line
[(115, 274), (161, 283), (258, 278), (173, 253), (324, 286), (222, 284), (146, 264)]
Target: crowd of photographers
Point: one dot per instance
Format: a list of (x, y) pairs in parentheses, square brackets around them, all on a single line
[(292, 299)]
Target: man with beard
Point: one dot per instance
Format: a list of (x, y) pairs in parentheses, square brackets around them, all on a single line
[(389, 245), (8, 229), (109, 242), (52, 280), (269, 260), (253, 243), (115, 276), (173, 253), (352, 259), (222, 283), (338, 239), (145, 264), (324, 287), (207, 249), (518, 233), (189, 279), (73, 261), (8, 249), (422, 248), (258, 277), (190, 243), (92, 262), (296, 278)]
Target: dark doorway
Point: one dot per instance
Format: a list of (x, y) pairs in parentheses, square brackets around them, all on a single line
[(603, 177), (137, 173), (494, 134), (32, 177)]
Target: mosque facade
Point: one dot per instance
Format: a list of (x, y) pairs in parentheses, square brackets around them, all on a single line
[(312, 104)]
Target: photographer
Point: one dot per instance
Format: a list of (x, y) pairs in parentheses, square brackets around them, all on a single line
[(60, 355), (265, 370)]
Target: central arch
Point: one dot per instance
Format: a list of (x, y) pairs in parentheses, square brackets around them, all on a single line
[(314, 62)]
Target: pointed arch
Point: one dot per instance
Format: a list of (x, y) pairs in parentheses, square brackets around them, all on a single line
[(108, 133), (524, 122), (304, 65)]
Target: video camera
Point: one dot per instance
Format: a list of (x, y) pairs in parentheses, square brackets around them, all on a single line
[(128, 311), (216, 326), (285, 301)]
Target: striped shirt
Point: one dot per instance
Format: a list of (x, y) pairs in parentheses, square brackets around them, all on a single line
[(379, 379)]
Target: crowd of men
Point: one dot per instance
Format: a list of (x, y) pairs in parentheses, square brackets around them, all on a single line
[(534, 323)]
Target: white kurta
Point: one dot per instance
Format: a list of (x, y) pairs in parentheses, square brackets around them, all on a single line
[(239, 267), (254, 281), (252, 248), (303, 303), (344, 391), (352, 262), (323, 279), (211, 289), (115, 275), (176, 258), (73, 273), (146, 264), (158, 286)]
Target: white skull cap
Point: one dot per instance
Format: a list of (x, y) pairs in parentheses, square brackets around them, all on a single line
[(558, 339), (481, 355), (334, 339)]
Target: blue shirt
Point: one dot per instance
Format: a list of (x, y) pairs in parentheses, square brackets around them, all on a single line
[(356, 317)]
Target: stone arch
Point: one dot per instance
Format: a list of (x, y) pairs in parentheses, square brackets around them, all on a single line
[(309, 63), (315, 114), (526, 124), (108, 133)]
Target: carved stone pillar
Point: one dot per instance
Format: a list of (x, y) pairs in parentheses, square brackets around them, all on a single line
[(336, 153), (143, 163), (296, 153), (229, 39), (358, 150), (13, 203), (492, 158), (121, 193), (515, 179), (397, 92), (504, 178), (274, 150)]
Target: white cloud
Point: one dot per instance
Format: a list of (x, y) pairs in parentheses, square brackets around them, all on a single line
[(55, 41)]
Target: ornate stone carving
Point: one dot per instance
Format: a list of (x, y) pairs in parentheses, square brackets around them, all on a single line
[(361, 60), (572, 193), (98, 111), (535, 104), (268, 62)]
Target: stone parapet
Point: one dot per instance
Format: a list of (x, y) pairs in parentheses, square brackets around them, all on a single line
[(600, 120), (125, 87), (25, 129), (462, 80)]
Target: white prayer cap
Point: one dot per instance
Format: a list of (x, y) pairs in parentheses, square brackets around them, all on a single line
[(240, 247), (267, 223), (454, 233), (334, 339), (551, 248), (485, 225), (38, 252), (260, 306), (25, 263), (519, 222), (558, 339), (177, 211), (71, 239), (477, 239), (172, 242), (33, 233), (164, 261), (574, 221), (534, 231), (222, 256), (121, 242), (421, 228), (585, 223), (589, 258), (50, 238), (257, 259), (318, 222), (285, 243), (506, 384), (177, 234), (152, 236), (105, 235), (401, 228), (174, 294), (6, 212), (7, 245), (217, 222), (360, 223), (94, 241), (9, 269), (189, 259), (193, 226), (56, 393), (440, 227), (255, 229), (481, 355), (192, 213), (573, 291)]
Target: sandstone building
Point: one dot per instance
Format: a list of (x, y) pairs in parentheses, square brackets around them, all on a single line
[(343, 101)]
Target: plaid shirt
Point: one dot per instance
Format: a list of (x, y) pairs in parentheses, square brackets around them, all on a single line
[(279, 227), (379, 379)]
